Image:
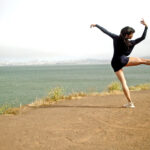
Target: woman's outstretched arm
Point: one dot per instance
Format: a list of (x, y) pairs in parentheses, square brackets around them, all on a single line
[(112, 35), (138, 40)]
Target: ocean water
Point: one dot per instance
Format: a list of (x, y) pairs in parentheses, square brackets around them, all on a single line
[(23, 84)]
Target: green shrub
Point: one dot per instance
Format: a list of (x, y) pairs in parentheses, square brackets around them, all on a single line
[(56, 93), (3, 108), (145, 86), (9, 109), (114, 86)]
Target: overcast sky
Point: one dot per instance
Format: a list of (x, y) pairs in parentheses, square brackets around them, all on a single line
[(60, 29)]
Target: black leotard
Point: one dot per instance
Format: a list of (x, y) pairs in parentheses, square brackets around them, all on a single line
[(121, 51)]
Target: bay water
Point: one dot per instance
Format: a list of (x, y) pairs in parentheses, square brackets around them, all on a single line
[(24, 84)]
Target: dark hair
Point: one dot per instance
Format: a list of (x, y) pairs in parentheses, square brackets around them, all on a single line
[(126, 31)]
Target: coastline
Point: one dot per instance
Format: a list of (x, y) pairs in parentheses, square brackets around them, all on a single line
[(38, 81), (91, 122), (57, 94)]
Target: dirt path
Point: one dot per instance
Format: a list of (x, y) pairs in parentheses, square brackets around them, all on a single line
[(90, 123)]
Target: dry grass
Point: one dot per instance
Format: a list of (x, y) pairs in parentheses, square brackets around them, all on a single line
[(9, 109), (57, 94), (139, 87), (13, 111), (3, 108), (114, 86)]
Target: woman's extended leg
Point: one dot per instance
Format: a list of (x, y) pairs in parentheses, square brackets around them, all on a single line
[(134, 61), (125, 88)]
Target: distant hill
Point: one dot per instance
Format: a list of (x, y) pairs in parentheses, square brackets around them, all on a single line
[(146, 57), (47, 62), (85, 61), (12, 62)]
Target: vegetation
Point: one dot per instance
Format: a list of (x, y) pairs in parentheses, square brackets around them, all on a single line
[(114, 86), (139, 87), (57, 94), (8, 109), (3, 108)]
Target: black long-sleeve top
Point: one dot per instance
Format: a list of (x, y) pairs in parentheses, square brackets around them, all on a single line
[(120, 48)]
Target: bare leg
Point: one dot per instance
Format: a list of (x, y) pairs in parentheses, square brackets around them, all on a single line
[(134, 61), (125, 88)]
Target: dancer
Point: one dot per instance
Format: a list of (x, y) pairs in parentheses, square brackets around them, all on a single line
[(122, 48)]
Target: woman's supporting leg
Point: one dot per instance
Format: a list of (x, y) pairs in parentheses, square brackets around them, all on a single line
[(134, 61), (125, 88)]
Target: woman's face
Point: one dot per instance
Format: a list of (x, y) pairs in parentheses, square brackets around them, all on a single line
[(129, 36)]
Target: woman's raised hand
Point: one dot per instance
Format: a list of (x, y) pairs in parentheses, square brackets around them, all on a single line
[(92, 25), (143, 22)]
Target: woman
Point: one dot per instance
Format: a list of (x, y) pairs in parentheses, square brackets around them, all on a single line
[(122, 48)]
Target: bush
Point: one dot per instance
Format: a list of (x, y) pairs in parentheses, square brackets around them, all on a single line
[(56, 93), (9, 109), (145, 86), (114, 86), (3, 108)]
